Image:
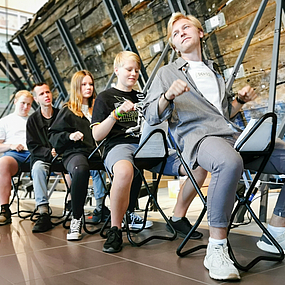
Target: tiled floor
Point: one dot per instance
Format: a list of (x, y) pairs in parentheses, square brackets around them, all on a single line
[(48, 258)]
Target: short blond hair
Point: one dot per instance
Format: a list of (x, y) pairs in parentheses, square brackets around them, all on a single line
[(178, 16), (123, 56), (24, 93)]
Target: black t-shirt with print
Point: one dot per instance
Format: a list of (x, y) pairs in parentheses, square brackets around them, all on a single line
[(121, 132)]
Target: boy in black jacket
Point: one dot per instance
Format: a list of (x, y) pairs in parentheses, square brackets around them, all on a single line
[(41, 151)]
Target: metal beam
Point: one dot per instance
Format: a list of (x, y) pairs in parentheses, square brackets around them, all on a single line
[(175, 6), (70, 44), (124, 35), (34, 68), (19, 65), (49, 64), (178, 6), (10, 73)]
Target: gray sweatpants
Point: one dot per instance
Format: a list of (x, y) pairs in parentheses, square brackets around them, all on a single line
[(217, 155)]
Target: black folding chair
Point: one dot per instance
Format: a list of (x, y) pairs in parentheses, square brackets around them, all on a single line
[(56, 167), (264, 130), (151, 152), (24, 167)]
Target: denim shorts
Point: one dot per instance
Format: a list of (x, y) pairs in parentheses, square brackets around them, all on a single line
[(19, 156)]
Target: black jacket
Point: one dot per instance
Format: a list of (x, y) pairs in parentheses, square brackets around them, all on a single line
[(37, 137), (65, 124)]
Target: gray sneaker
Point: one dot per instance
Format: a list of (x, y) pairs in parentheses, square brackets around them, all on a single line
[(137, 222), (219, 264), (265, 244)]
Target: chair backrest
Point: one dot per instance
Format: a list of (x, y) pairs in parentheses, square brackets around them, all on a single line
[(258, 134), (153, 142)]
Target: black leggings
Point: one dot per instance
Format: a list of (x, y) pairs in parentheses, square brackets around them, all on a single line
[(78, 167)]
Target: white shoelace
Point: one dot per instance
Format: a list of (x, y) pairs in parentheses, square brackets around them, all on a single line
[(75, 225), (222, 257), (135, 218)]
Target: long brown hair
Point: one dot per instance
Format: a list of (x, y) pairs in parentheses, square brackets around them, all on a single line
[(75, 100)]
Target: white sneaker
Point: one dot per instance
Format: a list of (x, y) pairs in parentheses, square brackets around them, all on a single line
[(137, 222), (74, 232), (219, 264), (265, 244)]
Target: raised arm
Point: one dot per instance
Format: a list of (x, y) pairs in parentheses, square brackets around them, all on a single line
[(177, 88), (246, 94), (101, 130)]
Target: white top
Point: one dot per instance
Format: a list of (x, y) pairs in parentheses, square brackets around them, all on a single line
[(203, 78), (85, 111), (13, 129)]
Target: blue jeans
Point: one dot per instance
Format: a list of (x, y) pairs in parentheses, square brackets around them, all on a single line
[(40, 172), (98, 186)]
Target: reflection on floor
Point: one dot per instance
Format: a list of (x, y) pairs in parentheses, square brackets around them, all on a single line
[(48, 258)]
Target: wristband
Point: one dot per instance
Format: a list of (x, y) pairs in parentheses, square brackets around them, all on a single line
[(114, 115), (111, 117), (118, 114), (240, 101), (168, 100)]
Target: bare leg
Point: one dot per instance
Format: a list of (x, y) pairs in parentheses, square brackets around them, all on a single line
[(218, 233), (187, 192), (120, 191), (8, 168)]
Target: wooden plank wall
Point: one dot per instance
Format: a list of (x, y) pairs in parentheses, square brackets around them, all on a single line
[(88, 20)]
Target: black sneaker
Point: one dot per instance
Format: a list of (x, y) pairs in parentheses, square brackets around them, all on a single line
[(182, 228), (5, 215), (42, 224), (114, 240), (97, 215)]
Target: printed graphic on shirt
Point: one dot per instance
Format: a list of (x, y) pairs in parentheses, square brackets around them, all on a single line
[(203, 75), (132, 116)]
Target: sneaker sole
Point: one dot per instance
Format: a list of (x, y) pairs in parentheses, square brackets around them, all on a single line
[(8, 221), (218, 277), (148, 225), (112, 250), (267, 247), (198, 235), (72, 237), (41, 231)]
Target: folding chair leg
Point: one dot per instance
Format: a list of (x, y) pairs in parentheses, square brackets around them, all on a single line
[(201, 216), (195, 226), (16, 190), (154, 201), (99, 229), (276, 257), (102, 234)]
